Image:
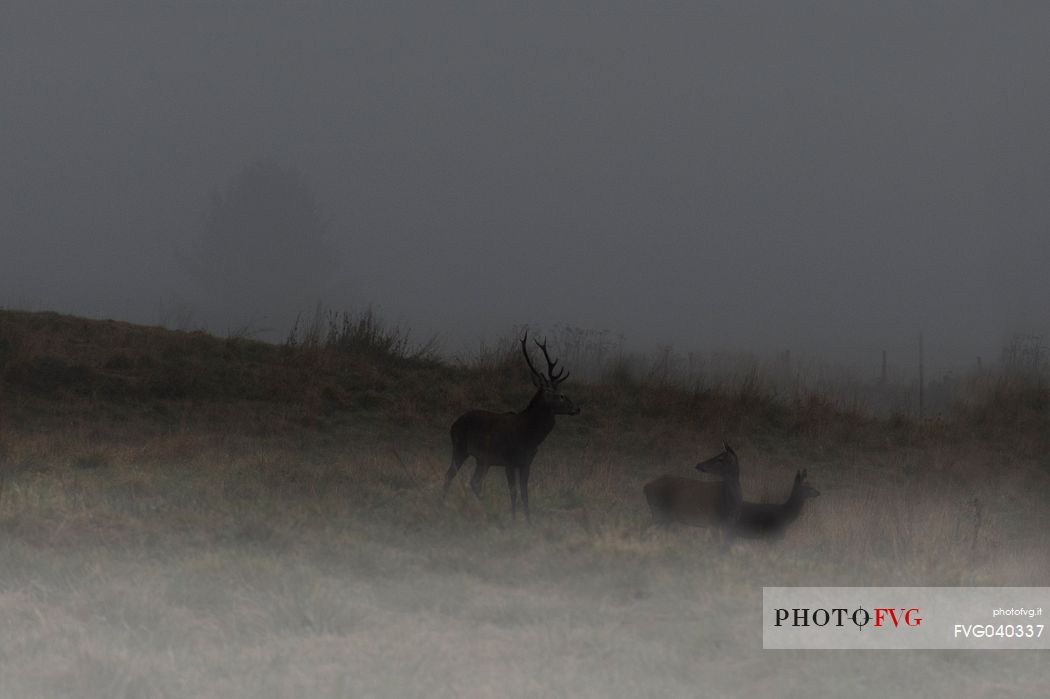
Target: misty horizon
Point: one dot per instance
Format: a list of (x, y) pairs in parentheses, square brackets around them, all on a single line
[(826, 180)]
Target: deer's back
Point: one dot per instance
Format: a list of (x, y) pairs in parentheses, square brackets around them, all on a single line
[(763, 519), (685, 500), (494, 437), (760, 519)]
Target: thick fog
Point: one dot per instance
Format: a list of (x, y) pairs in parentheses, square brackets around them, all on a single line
[(829, 178)]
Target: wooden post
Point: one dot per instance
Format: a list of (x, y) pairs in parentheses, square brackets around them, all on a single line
[(883, 379), (921, 382)]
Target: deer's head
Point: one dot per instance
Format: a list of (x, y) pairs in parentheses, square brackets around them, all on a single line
[(724, 464), (548, 385)]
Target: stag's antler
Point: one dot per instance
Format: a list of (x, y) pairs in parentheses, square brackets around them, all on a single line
[(555, 379), (537, 376)]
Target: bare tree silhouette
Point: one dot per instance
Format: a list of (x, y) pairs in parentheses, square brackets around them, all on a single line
[(263, 253)]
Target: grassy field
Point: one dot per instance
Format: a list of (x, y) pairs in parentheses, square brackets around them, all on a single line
[(182, 515)]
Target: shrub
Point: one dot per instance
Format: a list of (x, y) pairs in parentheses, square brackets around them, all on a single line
[(362, 334)]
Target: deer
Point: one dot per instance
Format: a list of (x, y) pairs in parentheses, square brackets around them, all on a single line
[(510, 439), (759, 519), (699, 503)]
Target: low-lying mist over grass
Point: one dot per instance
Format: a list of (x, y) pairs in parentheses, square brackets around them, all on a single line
[(184, 515)]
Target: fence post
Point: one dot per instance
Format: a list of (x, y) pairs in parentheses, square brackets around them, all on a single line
[(921, 382)]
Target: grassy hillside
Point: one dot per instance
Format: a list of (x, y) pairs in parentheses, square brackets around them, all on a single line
[(58, 367), (183, 515)]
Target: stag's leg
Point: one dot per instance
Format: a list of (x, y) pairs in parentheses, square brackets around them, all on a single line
[(523, 477), (479, 475), (513, 485), (458, 457)]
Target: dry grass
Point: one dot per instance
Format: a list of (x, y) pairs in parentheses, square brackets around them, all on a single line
[(203, 564), (251, 545)]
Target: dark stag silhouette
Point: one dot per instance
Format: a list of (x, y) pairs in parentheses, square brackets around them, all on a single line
[(510, 439)]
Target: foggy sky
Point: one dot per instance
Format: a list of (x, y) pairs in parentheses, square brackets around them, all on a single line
[(829, 178)]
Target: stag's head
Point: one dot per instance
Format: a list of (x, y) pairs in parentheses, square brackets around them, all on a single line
[(724, 464), (548, 385), (801, 488)]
